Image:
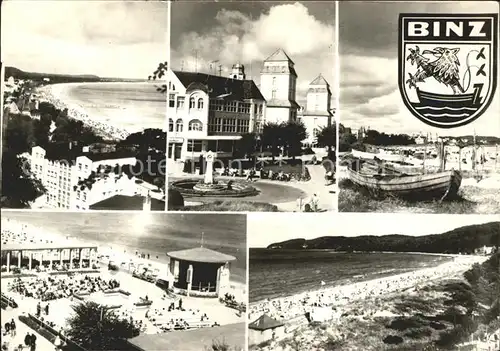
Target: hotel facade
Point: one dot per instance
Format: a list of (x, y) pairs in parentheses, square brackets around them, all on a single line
[(76, 178), (210, 113)]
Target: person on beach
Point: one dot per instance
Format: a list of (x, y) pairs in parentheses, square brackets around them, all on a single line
[(57, 342), (315, 203), (13, 327), (27, 339), (299, 204)]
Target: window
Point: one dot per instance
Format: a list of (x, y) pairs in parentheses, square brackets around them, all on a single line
[(231, 106), (179, 125), (243, 126), (195, 125), (215, 125), (244, 107), (192, 102), (229, 125), (194, 146), (225, 145), (180, 101), (274, 82), (171, 100), (200, 104), (255, 109), (170, 125), (260, 109), (273, 94), (173, 87)]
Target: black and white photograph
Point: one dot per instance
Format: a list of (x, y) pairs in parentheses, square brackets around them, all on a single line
[(251, 107), (419, 129), (83, 125), (374, 281), (140, 281)]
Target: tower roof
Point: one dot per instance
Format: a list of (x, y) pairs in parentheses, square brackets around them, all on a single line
[(319, 80), (201, 254), (279, 55)]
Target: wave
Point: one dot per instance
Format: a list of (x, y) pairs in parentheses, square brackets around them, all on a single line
[(446, 115), (445, 108)]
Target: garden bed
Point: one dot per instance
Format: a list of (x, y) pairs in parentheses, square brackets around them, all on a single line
[(238, 189)]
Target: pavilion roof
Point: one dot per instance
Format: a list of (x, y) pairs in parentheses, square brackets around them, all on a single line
[(265, 322), (201, 254)]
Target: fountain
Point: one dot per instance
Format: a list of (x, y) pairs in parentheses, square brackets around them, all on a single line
[(208, 186)]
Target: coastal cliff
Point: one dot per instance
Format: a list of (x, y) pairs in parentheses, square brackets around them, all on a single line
[(460, 240)]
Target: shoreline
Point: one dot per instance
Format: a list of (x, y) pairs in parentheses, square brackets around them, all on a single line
[(355, 279), (112, 252), (290, 307), (58, 95)]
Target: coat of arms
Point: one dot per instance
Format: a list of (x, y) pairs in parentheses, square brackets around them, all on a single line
[(448, 66)]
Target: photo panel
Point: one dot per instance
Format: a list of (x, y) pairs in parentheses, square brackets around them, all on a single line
[(251, 107), (84, 105), (124, 280), (373, 281), (419, 107)]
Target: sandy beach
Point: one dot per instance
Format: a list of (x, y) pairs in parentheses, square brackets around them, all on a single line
[(119, 255), (113, 119), (289, 308)]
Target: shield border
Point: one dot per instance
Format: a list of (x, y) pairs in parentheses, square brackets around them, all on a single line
[(493, 77)]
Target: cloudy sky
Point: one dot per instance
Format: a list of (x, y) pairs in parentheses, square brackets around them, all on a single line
[(267, 228), (368, 34), (249, 32), (107, 38)]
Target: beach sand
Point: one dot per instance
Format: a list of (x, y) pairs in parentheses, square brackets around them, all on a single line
[(353, 308), (291, 307), (114, 120), (120, 255)]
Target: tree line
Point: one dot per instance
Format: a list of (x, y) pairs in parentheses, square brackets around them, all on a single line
[(282, 138), (460, 240), (55, 128), (349, 141)]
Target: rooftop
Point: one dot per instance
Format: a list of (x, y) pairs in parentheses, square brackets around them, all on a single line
[(220, 87), (193, 340), (62, 151), (279, 55), (264, 322), (44, 246), (320, 80), (201, 254), (123, 202)]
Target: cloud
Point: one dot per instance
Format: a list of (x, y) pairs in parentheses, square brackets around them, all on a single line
[(108, 38), (238, 37)]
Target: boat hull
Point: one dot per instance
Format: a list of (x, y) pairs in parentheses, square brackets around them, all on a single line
[(442, 185)]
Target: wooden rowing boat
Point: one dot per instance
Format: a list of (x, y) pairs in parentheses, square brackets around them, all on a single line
[(440, 185)]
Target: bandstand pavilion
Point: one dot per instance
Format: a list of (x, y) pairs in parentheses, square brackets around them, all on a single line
[(49, 253), (200, 271)]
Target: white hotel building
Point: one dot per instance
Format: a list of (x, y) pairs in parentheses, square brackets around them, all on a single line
[(209, 113), (76, 178)]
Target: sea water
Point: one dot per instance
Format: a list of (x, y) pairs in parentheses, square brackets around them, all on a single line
[(279, 273)]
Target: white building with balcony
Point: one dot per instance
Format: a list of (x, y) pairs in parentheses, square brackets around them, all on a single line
[(210, 113), (75, 178)]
